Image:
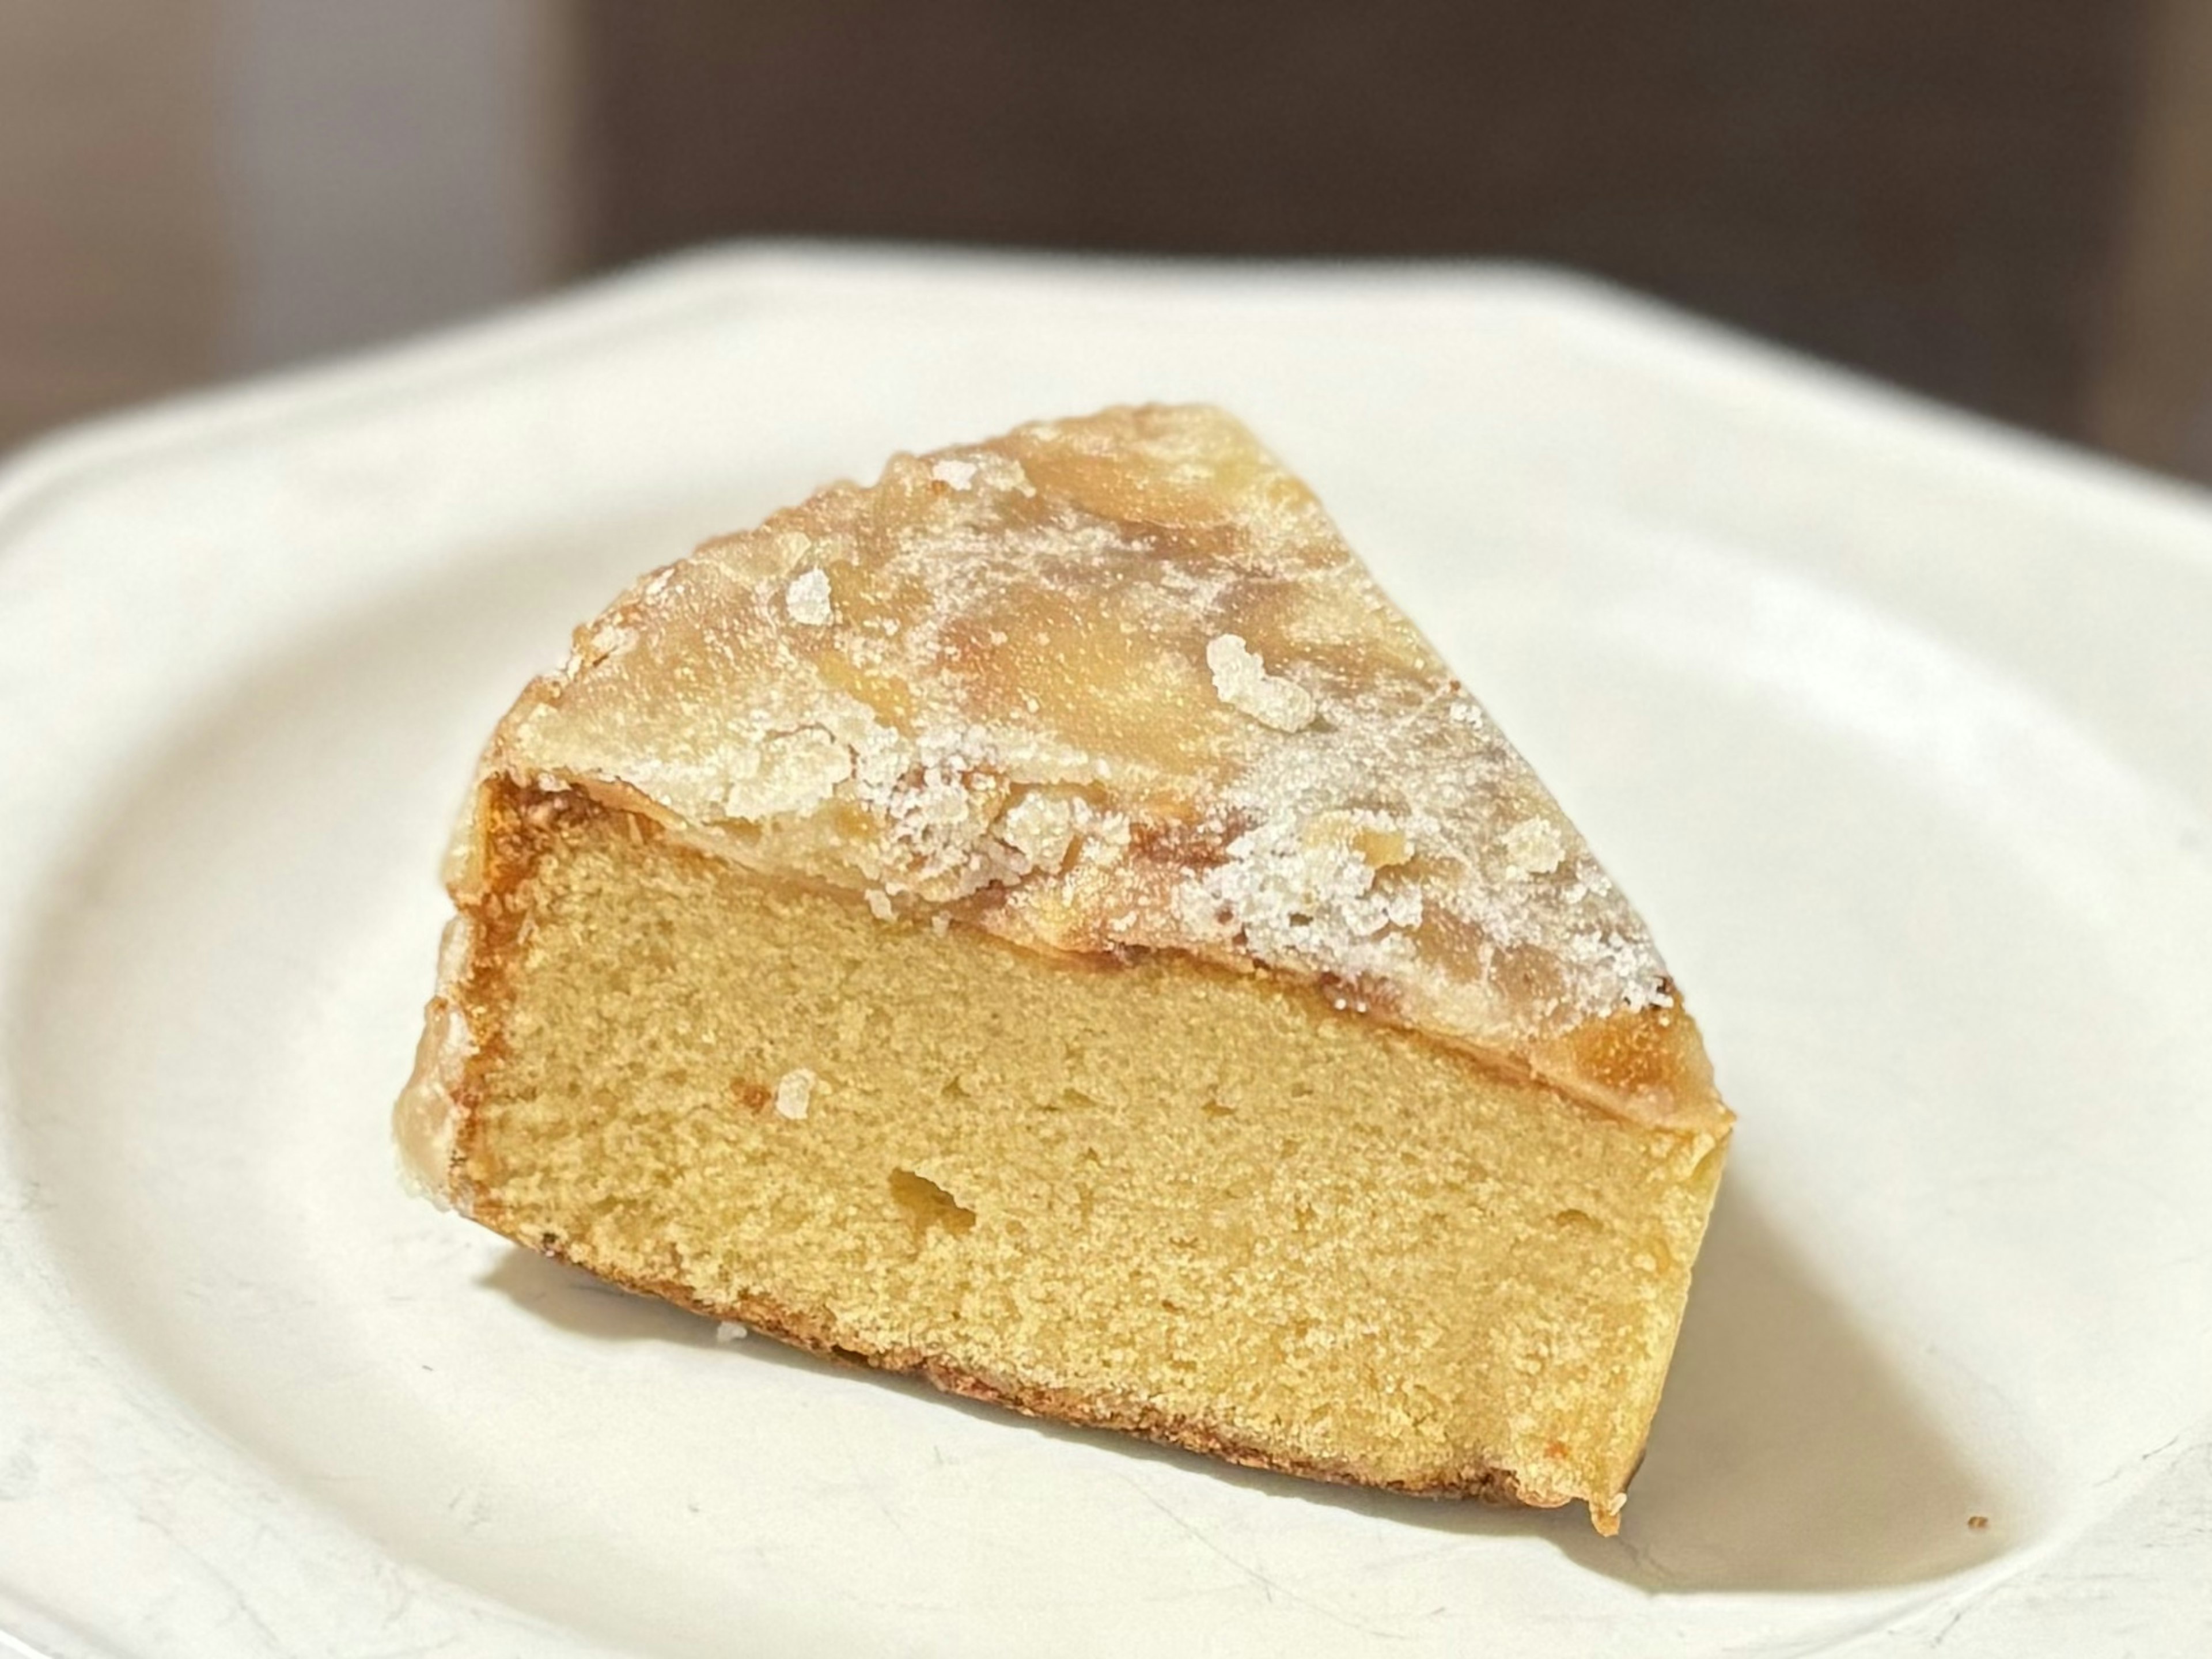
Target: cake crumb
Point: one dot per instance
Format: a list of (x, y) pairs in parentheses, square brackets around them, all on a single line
[(1241, 679), (1978, 1524), (795, 1093), (879, 904), (807, 599), (946, 469), (730, 1331)]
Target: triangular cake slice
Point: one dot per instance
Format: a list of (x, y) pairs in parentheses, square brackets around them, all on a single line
[(1047, 922)]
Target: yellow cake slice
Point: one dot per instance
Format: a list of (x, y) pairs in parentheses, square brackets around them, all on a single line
[(1046, 922)]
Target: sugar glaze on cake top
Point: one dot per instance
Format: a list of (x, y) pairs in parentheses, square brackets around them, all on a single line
[(1108, 686)]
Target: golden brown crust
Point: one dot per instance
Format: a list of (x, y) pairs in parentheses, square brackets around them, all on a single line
[(464, 1035)]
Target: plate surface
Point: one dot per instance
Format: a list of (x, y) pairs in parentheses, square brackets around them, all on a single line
[(1898, 727)]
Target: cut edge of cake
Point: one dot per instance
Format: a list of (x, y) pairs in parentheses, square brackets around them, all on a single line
[(1100, 690)]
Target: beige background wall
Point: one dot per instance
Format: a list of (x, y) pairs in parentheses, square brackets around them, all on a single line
[(2006, 204), (112, 260), (2152, 400), (195, 189)]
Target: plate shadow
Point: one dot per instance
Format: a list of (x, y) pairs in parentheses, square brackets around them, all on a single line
[(1788, 1454)]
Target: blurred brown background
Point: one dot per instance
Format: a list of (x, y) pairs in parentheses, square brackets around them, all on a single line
[(2005, 203)]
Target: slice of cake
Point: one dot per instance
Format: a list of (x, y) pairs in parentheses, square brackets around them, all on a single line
[(1047, 922)]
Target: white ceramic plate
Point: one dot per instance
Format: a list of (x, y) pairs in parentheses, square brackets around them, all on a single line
[(1899, 728)]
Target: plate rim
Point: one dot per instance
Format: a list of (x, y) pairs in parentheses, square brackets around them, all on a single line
[(89, 455)]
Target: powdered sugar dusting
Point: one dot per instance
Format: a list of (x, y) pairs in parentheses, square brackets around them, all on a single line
[(1534, 847), (807, 599), (1242, 681)]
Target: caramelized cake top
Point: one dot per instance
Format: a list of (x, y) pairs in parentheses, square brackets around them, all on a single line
[(1114, 686)]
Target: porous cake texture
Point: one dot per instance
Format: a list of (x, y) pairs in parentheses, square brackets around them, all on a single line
[(1047, 922)]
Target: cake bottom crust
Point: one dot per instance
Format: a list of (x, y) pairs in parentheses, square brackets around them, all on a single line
[(762, 1317)]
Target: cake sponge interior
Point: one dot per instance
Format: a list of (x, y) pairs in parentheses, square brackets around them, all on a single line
[(1210, 1207)]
